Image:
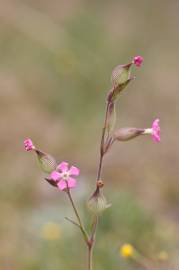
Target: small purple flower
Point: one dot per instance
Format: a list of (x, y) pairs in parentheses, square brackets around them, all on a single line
[(154, 131), (28, 144), (62, 176), (138, 60)]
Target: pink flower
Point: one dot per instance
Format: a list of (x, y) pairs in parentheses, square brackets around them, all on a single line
[(62, 176), (28, 145), (156, 130), (138, 60)]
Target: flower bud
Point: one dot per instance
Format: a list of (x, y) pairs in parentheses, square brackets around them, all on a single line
[(120, 74), (28, 144), (125, 134), (47, 162), (138, 60), (97, 203)]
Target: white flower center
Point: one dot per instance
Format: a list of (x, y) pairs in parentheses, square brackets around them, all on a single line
[(148, 131), (65, 175)]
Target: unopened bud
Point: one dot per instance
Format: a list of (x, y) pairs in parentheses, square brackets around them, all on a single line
[(47, 162), (98, 203), (28, 144), (120, 74), (125, 134), (138, 60)]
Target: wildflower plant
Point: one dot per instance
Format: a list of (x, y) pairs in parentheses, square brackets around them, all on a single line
[(64, 177)]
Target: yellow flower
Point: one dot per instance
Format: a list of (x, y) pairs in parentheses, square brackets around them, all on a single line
[(50, 231), (127, 250)]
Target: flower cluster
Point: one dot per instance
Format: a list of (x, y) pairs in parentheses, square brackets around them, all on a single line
[(60, 175), (63, 176), (121, 77)]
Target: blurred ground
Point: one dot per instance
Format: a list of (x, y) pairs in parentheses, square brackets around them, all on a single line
[(56, 61)]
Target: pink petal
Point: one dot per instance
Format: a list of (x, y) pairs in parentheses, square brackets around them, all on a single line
[(28, 144), (55, 176), (155, 123), (74, 171), (138, 60), (62, 185), (156, 138), (156, 130), (63, 166), (71, 182)]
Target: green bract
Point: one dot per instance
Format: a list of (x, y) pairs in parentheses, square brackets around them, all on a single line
[(97, 203), (46, 161), (120, 74)]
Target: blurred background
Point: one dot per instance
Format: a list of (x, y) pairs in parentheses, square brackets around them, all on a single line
[(55, 68)]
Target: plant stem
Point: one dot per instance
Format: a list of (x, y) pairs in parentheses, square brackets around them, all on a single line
[(90, 258), (95, 223), (94, 227), (85, 235), (100, 167), (92, 243), (102, 143)]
